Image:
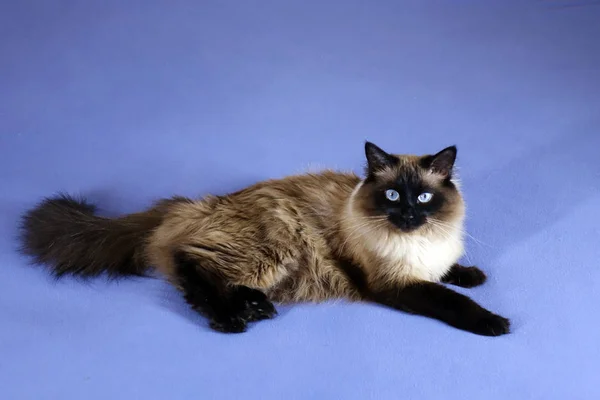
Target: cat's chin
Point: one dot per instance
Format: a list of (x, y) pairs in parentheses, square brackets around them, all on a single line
[(409, 230), (406, 229)]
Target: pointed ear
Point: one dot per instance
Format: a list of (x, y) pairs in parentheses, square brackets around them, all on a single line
[(378, 159), (442, 162)]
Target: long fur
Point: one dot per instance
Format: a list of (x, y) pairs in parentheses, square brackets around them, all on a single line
[(64, 233), (309, 237)]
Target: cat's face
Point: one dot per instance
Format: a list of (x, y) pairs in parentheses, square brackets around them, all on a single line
[(411, 192)]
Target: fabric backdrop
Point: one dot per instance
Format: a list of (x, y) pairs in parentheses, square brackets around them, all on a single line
[(129, 101)]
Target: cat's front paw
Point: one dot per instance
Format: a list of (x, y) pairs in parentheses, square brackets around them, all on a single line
[(491, 325), (471, 277), (467, 277)]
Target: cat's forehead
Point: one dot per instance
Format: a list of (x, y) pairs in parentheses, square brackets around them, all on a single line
[(407, 171)]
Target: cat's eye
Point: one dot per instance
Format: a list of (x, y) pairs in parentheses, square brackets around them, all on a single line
[(392, 195), (425, 197)]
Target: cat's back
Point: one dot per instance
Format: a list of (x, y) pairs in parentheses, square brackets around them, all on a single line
[(308, 185), (303, 198), (297, 207), (311, 191)]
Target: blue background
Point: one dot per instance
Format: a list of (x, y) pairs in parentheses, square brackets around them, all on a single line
[(129, 101)]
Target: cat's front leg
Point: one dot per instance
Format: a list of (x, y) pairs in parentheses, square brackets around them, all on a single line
[(437, 301), (466, 277)]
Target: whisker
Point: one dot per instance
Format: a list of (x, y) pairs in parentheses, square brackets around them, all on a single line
[(439, 223), (444, 231), (357, 231)]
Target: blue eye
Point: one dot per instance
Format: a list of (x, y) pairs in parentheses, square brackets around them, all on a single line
[(424, 197), (392, 195)]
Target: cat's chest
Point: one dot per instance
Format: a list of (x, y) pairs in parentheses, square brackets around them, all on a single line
[(421, 257)]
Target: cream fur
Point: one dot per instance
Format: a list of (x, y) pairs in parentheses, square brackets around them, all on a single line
[(426, 254)]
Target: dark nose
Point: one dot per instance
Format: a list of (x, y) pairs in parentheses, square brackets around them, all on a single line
[(409, 215)]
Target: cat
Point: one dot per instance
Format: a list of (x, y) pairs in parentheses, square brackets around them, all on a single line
[(392, 237)]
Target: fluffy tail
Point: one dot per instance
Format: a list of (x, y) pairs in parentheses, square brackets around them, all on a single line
[(64, 234)]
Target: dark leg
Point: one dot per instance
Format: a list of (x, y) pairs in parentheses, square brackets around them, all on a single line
[(437, 301), (229, 309), (466, 277)]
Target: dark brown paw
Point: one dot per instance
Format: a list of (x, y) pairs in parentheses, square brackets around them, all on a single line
[(473, 276), (491, 325), (253, 305), (257, 310), (229, 325), (466, 277)]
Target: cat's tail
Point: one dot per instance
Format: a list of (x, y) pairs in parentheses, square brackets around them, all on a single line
[(63, 233)]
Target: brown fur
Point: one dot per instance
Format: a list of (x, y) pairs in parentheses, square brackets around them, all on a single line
[(309, 237), (277, 236), (286, 237)]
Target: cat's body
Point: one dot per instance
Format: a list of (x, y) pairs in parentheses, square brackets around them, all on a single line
[(310, 237)]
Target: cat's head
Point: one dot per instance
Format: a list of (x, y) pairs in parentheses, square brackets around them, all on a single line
[(411, 192)]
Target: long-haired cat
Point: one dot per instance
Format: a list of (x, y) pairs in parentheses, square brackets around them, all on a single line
[(391, 238)]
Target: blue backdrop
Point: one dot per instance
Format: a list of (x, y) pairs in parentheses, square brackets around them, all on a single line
[(129, 101)]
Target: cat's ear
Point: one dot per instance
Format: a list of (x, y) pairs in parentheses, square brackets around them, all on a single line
[(441, 163), (378, 159)]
